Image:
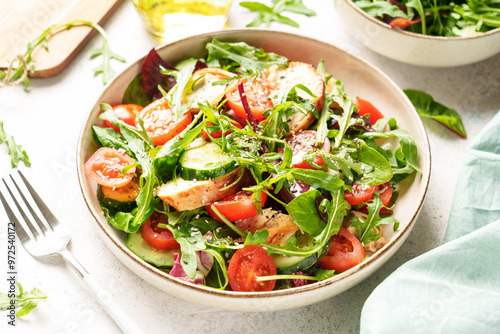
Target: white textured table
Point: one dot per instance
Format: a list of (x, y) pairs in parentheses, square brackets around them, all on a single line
[(47, 122)]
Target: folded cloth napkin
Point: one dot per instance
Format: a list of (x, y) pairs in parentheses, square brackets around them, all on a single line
[(454, 288)]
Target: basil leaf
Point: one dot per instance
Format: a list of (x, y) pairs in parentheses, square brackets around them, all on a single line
[(428, 108), (304, 212)]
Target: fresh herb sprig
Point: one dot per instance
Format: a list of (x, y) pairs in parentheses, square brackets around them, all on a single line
[(16, 151), (436, 17), (274, 13), (26, 300), (19, 73)]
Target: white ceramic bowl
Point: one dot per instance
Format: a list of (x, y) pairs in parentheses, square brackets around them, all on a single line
[(417, 49), (360, 78)]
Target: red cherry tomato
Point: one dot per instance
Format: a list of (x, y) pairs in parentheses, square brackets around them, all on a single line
[(161, 123), (386, 195), (365, 107), (235, 207), (218, 134), (303, 142), (157, 237), (248, 263), (257, 93), (126, 113), (344, 253), (105, 167), (360, 193)]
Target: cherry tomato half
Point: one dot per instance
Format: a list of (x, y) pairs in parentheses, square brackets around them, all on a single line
[(248, 263), (303, 142), (125, 112), (257, 93), (105, 167), (386, 195), (361, 193), (218, 134), (365, 107), (344, 253), (235, 207), (161, 123), (157, 237)]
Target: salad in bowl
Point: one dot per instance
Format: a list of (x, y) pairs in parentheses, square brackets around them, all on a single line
[(248, 171)]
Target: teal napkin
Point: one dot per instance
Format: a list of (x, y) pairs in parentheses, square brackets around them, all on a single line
[(455, 288)]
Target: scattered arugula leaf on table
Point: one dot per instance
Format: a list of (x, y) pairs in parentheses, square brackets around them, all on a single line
[(273, 13), (16, 151), (428, 108), (26, 64), (26, 300)]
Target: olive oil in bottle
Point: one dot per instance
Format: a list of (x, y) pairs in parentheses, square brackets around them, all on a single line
[(164, 18)]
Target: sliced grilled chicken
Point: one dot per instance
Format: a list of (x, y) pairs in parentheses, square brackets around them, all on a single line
[(299, 73), (280, 226), (201, 88), (188, 195)]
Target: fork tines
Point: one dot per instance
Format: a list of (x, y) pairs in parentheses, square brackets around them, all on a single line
[(35, 225)]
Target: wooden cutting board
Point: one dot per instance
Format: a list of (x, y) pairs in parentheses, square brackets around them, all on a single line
[(27, 19)]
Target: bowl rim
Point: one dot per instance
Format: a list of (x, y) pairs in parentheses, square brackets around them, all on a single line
[(417, 35), (400, 236)]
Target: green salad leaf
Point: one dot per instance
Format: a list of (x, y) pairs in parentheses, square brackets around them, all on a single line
[(274, 13), (428, 108), (26, 300), (16, 151), (251, 58)]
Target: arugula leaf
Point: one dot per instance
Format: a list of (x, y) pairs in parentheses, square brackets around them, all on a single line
[(428, 108), (251, 58), (108, 137), (322, 274), (16, 151), (368, 230), (27, 63), (26, 300), (380, 8), (259, 237), (107, 55), (267, 14), (305, 214), (318, 179), (191, 241), (408, 147)]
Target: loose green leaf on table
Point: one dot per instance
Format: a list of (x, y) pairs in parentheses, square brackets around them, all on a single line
[(428, 108), (26, 300), (273, 13), (16, 151), (23, 64)]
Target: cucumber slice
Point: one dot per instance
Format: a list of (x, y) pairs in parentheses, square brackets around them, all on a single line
[(287, 265), (120, 199), (205, 162), (159, 258), (185, 63)]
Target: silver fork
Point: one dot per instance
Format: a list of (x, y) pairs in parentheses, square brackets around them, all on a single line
[(49, 237)]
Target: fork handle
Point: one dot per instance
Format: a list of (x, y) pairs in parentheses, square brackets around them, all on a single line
[(103, 296)]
